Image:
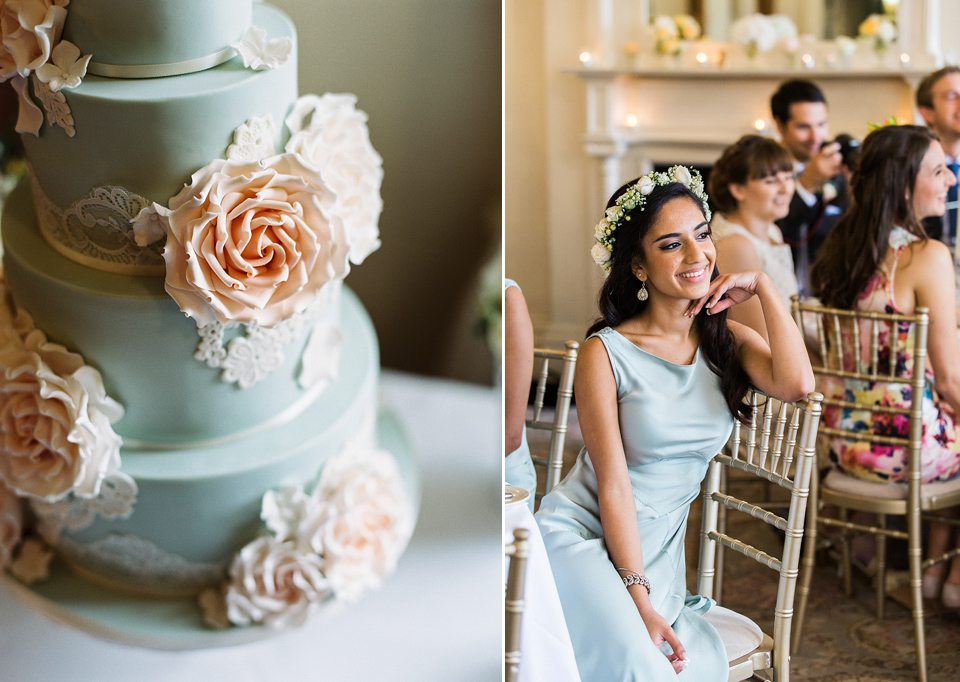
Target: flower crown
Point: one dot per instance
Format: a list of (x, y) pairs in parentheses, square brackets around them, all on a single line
[(635, 197)]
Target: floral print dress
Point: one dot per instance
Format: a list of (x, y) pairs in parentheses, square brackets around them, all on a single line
[(940, 449)]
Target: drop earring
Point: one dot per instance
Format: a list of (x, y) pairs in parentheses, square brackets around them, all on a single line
[(642, 294)]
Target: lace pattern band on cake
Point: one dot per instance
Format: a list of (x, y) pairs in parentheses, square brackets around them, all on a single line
[(97, 231), (129, 560)]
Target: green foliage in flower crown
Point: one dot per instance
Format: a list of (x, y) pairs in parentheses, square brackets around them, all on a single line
[(635, 197), (891, 121)]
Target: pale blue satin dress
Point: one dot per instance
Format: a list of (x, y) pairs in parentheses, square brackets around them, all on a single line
[(518, 466), (673, 420)]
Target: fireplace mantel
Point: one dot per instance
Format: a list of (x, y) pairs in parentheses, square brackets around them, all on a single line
[(665, 116)]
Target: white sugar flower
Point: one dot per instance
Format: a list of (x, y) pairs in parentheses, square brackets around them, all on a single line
[(33, 562), (320, 362), (253, 140), (274, 583), (151, 224), (258, 53), (66, 67), (283, 511), (330, 134)]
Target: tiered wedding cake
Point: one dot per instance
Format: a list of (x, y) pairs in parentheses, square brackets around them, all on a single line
[(187, 392)]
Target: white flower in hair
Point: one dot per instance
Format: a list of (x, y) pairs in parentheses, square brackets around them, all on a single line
[(634, 198), (601, 254), (682, 175), (646, 185), (601, 229)]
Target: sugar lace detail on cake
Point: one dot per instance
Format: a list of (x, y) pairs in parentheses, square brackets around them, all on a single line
[(139, 563), (118, 494), (97, 230), (250, 358)]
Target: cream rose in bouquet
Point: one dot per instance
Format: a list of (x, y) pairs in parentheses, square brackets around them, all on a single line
[(253, 242)]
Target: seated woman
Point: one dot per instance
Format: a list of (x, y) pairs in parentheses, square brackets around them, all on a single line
[(878, 258), (659, 381), (751, 186), (518, 373)]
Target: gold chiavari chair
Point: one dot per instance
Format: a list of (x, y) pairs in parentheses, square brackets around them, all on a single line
[(516, 552), (778, 446), (553, 462), (851, 351)]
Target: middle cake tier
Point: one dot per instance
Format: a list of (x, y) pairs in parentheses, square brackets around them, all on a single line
[(153, 359)]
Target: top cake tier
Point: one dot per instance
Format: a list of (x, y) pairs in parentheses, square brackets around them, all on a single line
[(148, 32)]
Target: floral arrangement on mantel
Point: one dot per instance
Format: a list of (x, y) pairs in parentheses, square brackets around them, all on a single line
[(670, 33), (758, 33), (880, 30)]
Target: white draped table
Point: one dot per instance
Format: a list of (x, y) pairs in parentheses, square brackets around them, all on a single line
[(546, 654), (439, 617)]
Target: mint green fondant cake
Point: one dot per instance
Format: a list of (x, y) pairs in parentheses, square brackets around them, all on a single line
[(188, 393)]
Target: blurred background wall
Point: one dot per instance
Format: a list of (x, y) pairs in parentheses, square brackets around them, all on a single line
[(428, 74)]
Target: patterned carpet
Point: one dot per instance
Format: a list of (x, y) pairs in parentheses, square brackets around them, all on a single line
[(843, 640)]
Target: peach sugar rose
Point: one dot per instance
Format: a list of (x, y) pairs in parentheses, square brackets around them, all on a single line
[(253, 242), (30, 29)]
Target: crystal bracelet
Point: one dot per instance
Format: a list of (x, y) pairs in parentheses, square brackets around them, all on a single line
[(634, 578)]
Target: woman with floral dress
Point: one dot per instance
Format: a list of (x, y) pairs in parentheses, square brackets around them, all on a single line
[(879, 258)]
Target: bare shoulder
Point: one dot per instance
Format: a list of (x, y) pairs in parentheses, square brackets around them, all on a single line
[(592, 351), (925, 258), (736, 252)]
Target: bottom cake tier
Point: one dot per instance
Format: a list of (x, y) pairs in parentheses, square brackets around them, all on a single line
[(172, 623)]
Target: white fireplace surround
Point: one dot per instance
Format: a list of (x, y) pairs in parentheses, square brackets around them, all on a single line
[(574, 134)]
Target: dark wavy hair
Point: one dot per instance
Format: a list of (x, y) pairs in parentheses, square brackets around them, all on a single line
[(618, 300), (881, 192), (750, 158)]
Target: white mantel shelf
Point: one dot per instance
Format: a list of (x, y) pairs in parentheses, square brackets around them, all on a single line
[(603, 74), (690, 114)]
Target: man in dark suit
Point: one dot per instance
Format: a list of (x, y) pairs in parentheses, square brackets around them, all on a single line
[(799, 110), (938, 101)]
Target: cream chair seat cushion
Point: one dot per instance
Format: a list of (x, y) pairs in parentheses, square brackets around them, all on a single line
[(740, 635), (851, 485)]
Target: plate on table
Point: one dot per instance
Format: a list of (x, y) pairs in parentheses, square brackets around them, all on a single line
[(513, 495)]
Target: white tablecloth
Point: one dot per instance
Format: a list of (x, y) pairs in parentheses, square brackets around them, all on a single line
[(439, 617), (545, 650)]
